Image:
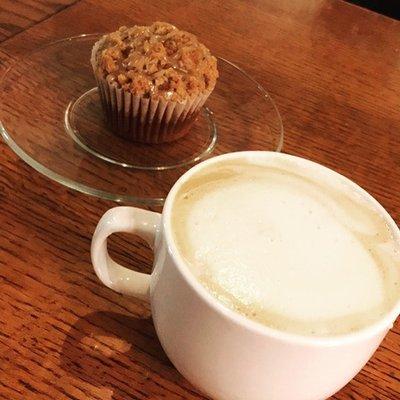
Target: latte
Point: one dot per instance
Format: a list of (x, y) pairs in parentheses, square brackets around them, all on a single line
[(293, 247)]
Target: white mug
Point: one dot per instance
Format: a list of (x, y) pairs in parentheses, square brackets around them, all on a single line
[(225, 355)]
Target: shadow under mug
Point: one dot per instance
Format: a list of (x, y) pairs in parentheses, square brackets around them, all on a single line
[(224, 354)]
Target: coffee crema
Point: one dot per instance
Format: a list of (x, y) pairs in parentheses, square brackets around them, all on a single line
[(293, 247)]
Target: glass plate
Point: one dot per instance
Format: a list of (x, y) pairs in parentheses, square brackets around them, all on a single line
[(51, 117)]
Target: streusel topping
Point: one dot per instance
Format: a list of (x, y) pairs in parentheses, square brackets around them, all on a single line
[(157, 61)]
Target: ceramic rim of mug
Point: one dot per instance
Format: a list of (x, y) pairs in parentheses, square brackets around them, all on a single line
[(382, 324)]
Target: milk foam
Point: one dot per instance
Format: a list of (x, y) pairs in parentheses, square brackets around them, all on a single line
[(286, 249)]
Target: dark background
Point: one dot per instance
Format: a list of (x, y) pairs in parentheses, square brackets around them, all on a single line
[(391, 8)]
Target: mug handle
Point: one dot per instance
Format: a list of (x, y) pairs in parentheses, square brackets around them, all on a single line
[(130, 220)]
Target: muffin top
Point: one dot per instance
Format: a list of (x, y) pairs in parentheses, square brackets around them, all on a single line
[(157, 61)]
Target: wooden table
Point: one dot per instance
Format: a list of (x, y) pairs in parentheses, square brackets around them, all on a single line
[(334, 71)]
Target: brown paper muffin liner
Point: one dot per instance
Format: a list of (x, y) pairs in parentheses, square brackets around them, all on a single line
[(145, 120)]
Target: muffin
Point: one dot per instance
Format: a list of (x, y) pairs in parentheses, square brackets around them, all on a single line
[(153, 81)]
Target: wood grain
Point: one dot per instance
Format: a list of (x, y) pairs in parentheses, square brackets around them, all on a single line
[(334, 71), (18, 15)]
